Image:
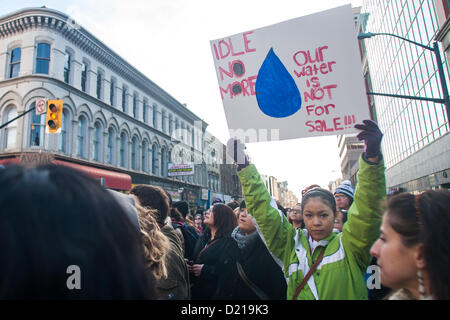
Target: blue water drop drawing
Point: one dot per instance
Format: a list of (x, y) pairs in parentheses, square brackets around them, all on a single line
[(276, 91)]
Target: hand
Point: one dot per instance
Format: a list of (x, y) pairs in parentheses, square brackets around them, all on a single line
[(197, 269), (372, 136), (188, 264), (235, 150)]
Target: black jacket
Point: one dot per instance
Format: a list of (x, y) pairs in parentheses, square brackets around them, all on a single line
[(218, 278), (261, 269)]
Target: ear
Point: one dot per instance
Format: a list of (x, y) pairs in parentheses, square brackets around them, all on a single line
[(419, 256)]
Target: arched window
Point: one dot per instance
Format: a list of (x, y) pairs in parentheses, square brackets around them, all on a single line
[(145, 156), (43, 58), (82, 137), (98, 139), (155, 159), (111, 146), (123, 150), (10, 131), (14, 64), (37, 129), (64, 139), (134, 153), (164, 162)]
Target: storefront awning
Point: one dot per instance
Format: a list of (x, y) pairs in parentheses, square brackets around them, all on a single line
[(113, 180)]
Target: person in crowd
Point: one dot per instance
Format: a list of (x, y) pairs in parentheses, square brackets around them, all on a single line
[(344, 195), (214, 268), (156, 245), (199, 222), (256, 282), (177, 281), (319, 263), (309, 187), (63, 236), (295, 217), (412, 249), (190, 233), (217, 200), (339, 220), (233, 204)]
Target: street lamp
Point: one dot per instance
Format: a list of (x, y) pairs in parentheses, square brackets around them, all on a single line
[(435, 50)]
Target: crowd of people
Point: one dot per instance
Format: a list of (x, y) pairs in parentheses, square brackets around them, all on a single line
[(143, 245)]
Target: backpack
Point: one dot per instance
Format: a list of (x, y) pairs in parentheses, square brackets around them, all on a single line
[(190, 235)]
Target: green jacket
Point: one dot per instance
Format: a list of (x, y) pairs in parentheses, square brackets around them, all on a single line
[(340, 275)]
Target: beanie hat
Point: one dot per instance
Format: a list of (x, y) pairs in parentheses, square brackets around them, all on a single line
[(182, 206), (345, 188)]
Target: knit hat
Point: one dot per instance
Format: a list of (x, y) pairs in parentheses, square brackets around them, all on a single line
[(182, 206), (345, 188)]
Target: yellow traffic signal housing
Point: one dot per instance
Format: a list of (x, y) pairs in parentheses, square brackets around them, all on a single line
[(53, 121)]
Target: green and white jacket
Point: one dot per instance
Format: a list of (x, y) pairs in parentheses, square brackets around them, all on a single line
[(340, 275)]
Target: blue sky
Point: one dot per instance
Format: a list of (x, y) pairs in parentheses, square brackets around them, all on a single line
[(168, 41)]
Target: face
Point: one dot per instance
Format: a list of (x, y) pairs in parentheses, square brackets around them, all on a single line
[(245, 223), (296, 214), (318, 218), (396, 261), (338, 221), (209, 218), (198, 219), (342, 201)]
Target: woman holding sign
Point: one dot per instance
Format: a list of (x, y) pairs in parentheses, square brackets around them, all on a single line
[(319, 263)]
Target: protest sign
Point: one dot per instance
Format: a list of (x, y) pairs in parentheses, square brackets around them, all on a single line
[(180, 169), (298, 78)]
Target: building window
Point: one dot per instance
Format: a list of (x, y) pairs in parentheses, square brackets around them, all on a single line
[(81, 137), (145, 156), (43, 58), (164, 162), (99, 84), (170, 125), (37, 129), (111, 144), (144, 111), (10, 131), (155, 120), (155, 159), (135, 105), (164, 121), (123, 149), (64, 136), (98, 135), (83, 76), (124, 99), (134, 154), (67, 68), (112, 92), (14, 66)]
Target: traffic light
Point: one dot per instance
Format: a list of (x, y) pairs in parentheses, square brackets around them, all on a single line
[(54, 116)]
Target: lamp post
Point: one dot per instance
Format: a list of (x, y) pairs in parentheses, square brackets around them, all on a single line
[(435, 50)]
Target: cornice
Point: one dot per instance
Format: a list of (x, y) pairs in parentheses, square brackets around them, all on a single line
[(47, 19)]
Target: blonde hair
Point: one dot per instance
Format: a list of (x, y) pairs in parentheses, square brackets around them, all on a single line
[(156, 244)]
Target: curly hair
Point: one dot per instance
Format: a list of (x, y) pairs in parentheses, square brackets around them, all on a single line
[(155, 244)]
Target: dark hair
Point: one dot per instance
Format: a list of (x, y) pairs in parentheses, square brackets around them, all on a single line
[(309, 188), (242, 205), (281, 208), (326, 196), (182, 206), (425, 219), (224, 219), (233, 204), (153, 197), (53, 218), (175, 213), (344, 214)]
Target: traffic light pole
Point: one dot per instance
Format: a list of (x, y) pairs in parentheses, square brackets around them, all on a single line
[(19, 116)]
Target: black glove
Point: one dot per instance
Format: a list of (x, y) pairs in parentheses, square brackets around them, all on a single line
[(372, 136), (235, 150)]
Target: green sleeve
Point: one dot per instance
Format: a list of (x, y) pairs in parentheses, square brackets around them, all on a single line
[(278, 233), (365, 214)]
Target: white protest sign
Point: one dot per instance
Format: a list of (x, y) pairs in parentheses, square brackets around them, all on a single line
[(298, 78)]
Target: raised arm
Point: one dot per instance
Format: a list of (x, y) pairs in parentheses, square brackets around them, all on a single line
[(364, 216), (276, 231)]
